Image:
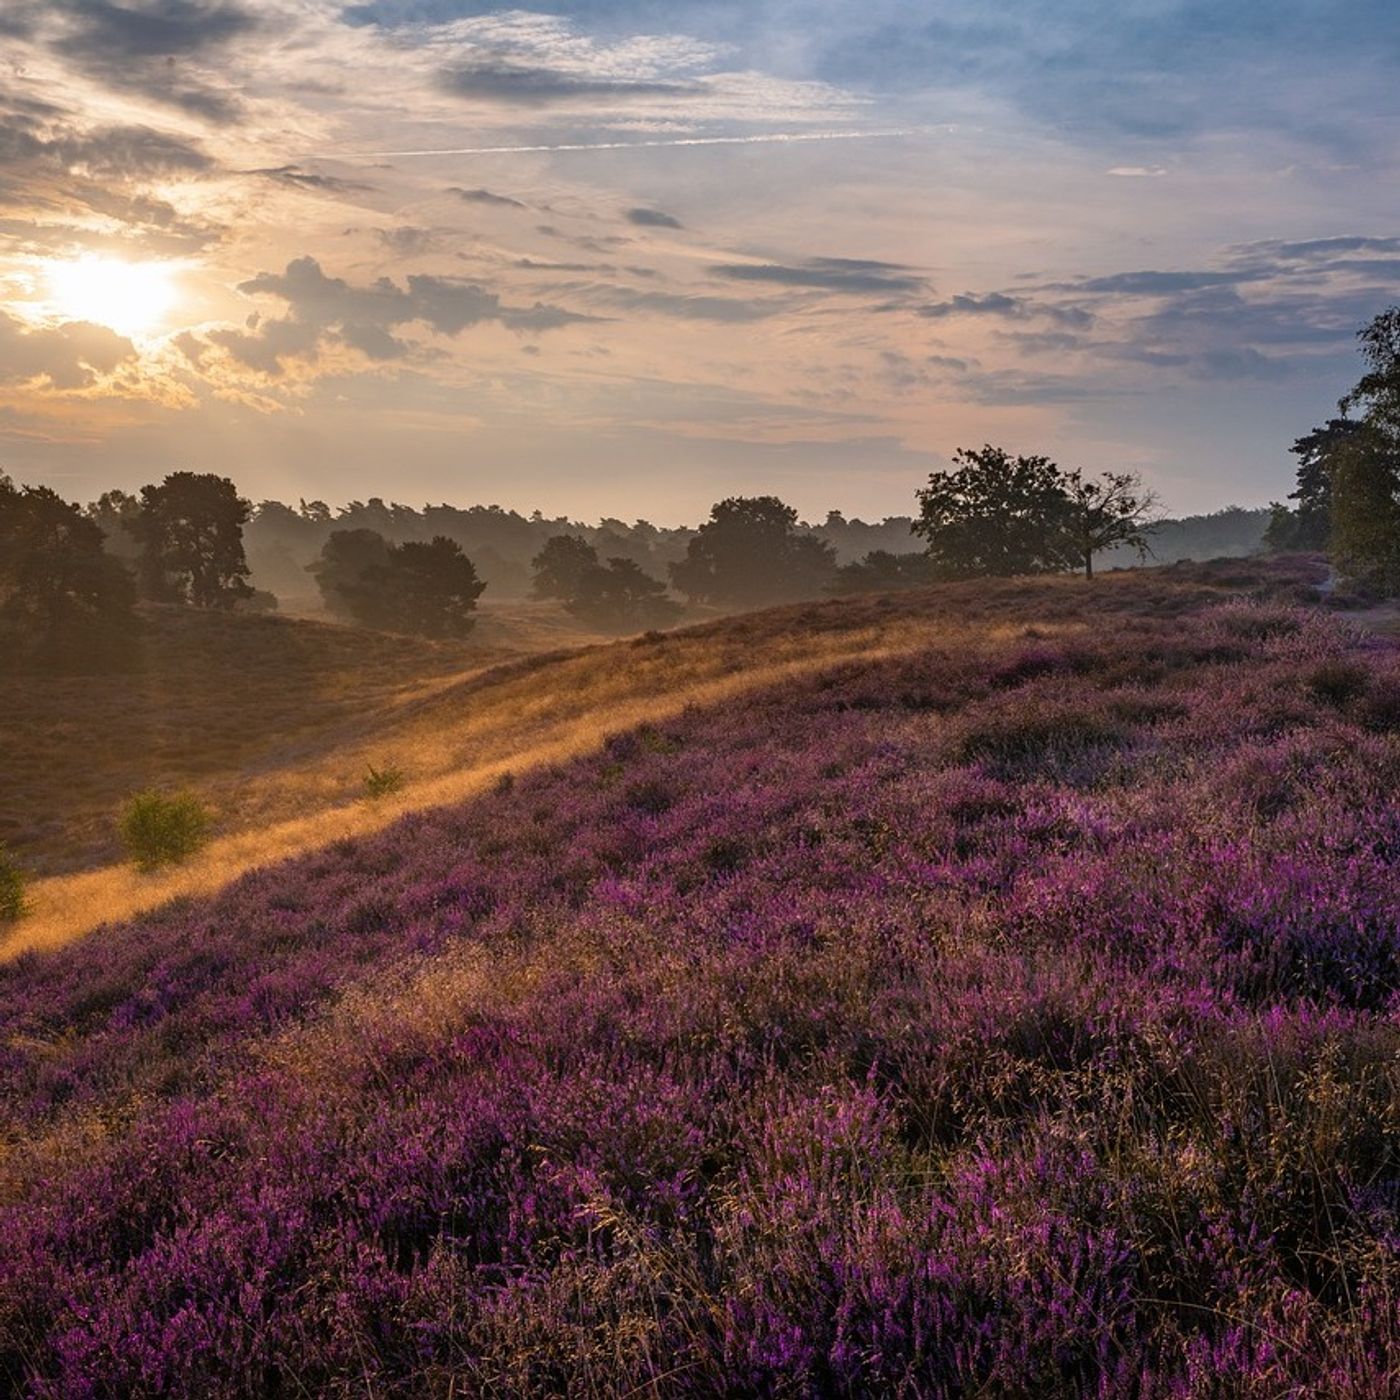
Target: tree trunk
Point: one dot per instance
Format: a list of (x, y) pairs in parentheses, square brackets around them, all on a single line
[(1088, 563)]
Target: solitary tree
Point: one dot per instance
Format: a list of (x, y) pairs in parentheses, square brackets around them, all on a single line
[(750, 552), (191, 535), (345, 558), (1104, 513), (63, 600), (429, 589), (995, 514)]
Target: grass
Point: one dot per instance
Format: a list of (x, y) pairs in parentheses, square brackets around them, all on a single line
[(995, 1009)]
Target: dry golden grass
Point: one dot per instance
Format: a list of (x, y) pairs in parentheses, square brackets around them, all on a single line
[(274, 721)]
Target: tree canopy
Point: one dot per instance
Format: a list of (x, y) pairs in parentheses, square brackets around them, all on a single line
[(620, 596), (190, 529), (63, 600), (750, 553), (428, 588)]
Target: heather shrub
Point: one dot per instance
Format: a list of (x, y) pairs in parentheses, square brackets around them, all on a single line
[(383, 782), (163, 828), (1336, 682), (12, 886)]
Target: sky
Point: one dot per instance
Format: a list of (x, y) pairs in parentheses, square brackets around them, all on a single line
[(625, 257)]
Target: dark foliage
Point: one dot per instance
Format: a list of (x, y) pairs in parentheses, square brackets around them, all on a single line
[(190, 529)]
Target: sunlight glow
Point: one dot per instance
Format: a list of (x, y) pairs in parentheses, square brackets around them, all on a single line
[(130, 298)]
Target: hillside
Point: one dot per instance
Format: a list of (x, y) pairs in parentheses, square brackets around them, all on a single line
[(1005, 1008), (274, 721)]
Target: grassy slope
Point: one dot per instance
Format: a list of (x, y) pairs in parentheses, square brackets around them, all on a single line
[(1012, 1015), (273, 721)]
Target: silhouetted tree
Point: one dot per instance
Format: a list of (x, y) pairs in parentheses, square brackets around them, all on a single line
[(1111, 511), (426, 588), (63, 600), (750, 552), (340, 568), (1377, 393), (560, 567), (882, 572), (115, 513), (191, 533), (995, 514), (621, 596), (1308, 525)]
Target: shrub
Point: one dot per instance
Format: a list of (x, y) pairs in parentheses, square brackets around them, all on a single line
[(381, 782), (12, 882), (1337, 682), (163, 828)]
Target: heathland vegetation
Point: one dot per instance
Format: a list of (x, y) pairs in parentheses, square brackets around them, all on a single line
[(982, 986)]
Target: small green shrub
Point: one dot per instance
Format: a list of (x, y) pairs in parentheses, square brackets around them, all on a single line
[(160, 828), (12, 883), (381, 782)]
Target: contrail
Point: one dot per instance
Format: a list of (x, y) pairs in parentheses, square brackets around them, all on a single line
[(776, 138)]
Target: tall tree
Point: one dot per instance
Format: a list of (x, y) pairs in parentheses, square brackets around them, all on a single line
[(620, 596), (1309, 524), (750, 552), (1377, 393), (1365, 536), (191, 534), (63, 599), (1107, 512), (995, 514)]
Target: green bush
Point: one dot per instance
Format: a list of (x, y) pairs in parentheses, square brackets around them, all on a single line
[(380, 782), (12, 883), (163, 828)]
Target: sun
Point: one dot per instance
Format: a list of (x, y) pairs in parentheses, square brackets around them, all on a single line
[(131, 298)]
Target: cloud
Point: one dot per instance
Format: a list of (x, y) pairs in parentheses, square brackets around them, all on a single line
[(70, 356), (485, 197), (1166, 283), (653, 218), (1000, 304), (322, 308), (298, 179), (512, 83), (685, 307), (161, 50), (858, 276)]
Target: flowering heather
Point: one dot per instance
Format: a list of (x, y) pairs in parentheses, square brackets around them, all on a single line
[(1017, 1019)]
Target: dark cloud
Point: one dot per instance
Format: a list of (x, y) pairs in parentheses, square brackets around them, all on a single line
[(330, 308), (653, 218), (527, 86), (485, 197), (162, 49), (70, 356), (407, 241), (1000, 304), (687, 307), (859, 276), (299, 179), (1165, 283)]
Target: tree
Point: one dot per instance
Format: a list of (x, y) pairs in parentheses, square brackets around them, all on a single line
[(191, 535), (115, 514), (560, 567), (1309, 525), (882, 571), (1114, 510), (620, 596), (995, 514), (340, 568), (1365, 535), (750, 553), (1377, 393), (63, 600), (428, 589)]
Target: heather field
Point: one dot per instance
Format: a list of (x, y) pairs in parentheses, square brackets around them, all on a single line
[(1011, 1012)]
